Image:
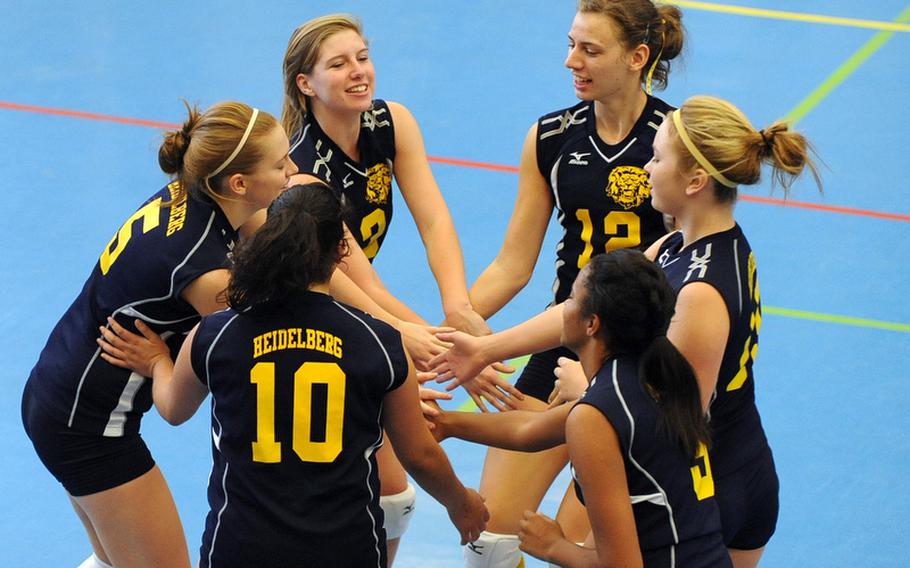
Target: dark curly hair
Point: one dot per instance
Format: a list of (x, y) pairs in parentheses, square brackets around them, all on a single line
[(634, 302), (299, 245)]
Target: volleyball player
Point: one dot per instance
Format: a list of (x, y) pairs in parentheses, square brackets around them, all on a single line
[(585, 162), (357, 144), (301, 387), (702, 154), (165, 265), (637, 439)]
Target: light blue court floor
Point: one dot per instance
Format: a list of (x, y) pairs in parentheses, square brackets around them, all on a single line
[(831, 374)]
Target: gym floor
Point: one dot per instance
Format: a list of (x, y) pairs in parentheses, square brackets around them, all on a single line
[(87, 86)]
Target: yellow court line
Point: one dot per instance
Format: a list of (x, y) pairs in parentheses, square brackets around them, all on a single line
[(793, 16)]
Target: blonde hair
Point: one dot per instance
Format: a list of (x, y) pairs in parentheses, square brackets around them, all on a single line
[(205, 142), (734, 149), (642, 22), (301, 56)]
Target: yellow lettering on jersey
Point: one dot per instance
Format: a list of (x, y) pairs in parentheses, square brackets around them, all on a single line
[(371, 228), (149, 213), (337, 350), (587, 231), (265, 449), (702, 482), (293, 338), (612, 223), (750, 349), (309, 374), (293, 334), (177, 215)]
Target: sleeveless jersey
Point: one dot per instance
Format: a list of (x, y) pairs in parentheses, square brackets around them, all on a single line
[(672, 494), (725, 261), (365, 185), (141, 274), (297, 394), (601, 191)]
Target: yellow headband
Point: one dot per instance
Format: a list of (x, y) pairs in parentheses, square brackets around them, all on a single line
[(699, 157)]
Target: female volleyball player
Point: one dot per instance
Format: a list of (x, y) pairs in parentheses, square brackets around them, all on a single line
[(586, 162), (357, 144), (165, 266), (702, 153), (301, 387), (639, 430)]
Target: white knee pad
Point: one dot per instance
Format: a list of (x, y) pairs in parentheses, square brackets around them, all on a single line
[(94, 562), (493, 550), (397, 509)]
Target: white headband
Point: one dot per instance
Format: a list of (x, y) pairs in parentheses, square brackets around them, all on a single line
[(246, 134)]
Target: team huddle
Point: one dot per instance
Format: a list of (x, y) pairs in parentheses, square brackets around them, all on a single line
[(249, 279)]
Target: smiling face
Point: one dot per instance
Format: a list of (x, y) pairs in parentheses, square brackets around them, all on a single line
[(599, 62), (668, 181), (271, 175), (343, 77)]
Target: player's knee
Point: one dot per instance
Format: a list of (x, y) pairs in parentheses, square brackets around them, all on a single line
[(493, 550), (94, 562), (398, 511)]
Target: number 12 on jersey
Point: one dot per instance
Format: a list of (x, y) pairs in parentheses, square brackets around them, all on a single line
[(612, 223), (266, 449)]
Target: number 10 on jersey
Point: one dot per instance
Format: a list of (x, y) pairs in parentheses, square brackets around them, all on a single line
[(266, 449)]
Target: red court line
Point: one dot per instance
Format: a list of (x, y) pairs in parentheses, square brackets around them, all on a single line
[(453, 161), (473, 164), (87, 115)]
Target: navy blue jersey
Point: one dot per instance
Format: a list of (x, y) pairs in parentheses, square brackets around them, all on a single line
[(141, 274), (672, 494), (297, 396), (365, 184), (725, 261), (601, 191)]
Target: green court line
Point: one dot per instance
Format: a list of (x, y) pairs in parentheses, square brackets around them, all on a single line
[(520, 362), (831, 318), (844, 71), (897, 26)]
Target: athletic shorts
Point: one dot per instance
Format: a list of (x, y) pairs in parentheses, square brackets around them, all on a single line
[(748, 502), (537, 377), (84, 463)]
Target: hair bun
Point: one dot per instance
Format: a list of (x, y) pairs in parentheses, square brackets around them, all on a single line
[(177, 142)]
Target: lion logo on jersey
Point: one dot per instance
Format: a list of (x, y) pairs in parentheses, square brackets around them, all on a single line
[(628, 186), (379, 184)]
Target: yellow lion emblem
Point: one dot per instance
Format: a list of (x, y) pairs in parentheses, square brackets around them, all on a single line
[(379, 184), (628, 186)]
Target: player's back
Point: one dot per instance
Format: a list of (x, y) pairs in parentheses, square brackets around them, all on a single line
[(141, 273), (297, 394)]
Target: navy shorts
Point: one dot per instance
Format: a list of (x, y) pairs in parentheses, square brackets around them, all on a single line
[(537, 378), (748, 502), (84, 463)]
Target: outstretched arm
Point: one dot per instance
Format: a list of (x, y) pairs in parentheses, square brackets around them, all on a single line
[(431, 215), (520, 430), (469, 355), (512, 268), (425, 461)]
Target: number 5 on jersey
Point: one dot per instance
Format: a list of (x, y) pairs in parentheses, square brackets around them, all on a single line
[(266, 449)]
